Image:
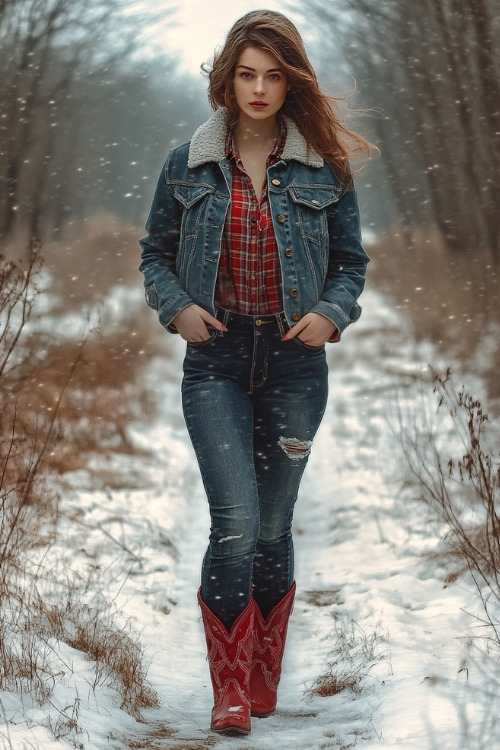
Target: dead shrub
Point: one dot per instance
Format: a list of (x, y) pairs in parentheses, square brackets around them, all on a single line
[(23, 492), (460, 480)]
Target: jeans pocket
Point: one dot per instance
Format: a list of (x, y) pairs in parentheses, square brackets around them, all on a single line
[(308, 347), (213, 335)]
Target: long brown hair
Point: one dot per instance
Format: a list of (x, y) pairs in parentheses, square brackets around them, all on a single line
[(315, 114)]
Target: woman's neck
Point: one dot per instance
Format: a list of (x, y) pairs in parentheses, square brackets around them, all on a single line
[(256, 134)]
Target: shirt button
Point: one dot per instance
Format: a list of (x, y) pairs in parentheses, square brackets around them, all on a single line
[(281, 218), (293, 292), (315, 202), (289, 252), (295, 317), (276, 182)]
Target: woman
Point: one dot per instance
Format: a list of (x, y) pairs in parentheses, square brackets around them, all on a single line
[(253, 255)]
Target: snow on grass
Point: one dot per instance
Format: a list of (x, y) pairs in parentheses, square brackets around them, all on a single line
[(372, 609)]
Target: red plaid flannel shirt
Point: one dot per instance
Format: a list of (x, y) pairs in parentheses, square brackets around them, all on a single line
[(249, 277)]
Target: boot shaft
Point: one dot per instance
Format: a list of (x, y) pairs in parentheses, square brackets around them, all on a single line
[(269, 645), (229, 652), (270, 633)]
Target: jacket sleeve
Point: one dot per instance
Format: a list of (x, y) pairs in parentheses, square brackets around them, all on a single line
[(160, 245), (347, 262)]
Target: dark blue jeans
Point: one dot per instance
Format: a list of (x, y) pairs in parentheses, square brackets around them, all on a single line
[(252, 404)]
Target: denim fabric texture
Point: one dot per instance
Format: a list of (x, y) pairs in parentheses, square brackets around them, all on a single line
[(252, 404), (315, 220)]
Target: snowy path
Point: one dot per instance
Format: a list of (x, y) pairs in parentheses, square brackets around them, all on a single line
[(360, 571)]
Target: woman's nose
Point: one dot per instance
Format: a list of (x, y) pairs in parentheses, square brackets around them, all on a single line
[(259, 86)]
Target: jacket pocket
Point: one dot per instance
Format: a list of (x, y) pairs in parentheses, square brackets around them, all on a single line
[(315, 198), (190, 195), (311, 204)]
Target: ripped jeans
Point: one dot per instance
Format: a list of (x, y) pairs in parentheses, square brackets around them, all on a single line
[(252, 405)]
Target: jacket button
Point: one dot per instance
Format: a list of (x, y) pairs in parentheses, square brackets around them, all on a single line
[(289, 252), (281, 218), (276, 181), (295, 317), (315, 202), (293, 292)]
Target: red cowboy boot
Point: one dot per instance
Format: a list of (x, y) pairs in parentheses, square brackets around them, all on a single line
[(269, 644), (230, 662)]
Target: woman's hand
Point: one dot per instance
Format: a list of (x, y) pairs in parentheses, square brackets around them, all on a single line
[(191, 324), (313, 329)]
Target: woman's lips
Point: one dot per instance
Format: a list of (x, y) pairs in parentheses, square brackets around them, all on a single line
[(258, 105)]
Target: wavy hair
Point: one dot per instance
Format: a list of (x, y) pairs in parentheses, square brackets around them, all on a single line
[(315, 113)]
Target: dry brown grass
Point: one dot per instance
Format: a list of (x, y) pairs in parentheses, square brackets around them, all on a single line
[(79, 615), (64, 401), (354, 655), (92, 257), (324, 597), (452, 301), (116, 652), (100, 374), (101, 401), (155, 740)]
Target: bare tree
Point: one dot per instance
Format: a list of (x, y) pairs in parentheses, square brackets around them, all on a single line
[(433, 68), (50, 51)]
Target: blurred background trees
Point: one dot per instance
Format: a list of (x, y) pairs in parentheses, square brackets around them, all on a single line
[(87, 110), (432, 68), (84, 111)]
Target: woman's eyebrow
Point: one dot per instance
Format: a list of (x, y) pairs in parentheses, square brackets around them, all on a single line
[(271, 70)]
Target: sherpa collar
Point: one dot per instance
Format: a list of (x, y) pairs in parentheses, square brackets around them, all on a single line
[(209, 142)]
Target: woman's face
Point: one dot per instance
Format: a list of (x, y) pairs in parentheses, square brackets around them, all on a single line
[(260, 85)]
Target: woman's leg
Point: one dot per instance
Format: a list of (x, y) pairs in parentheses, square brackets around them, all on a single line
[(219, 417), (288, 410)]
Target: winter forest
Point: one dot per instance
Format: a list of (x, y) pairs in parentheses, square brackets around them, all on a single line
[(395, 636)]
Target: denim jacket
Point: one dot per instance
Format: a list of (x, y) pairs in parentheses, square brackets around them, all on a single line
[(315, 218)]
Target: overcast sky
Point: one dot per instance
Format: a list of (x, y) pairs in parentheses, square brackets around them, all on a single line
[(203, 26)]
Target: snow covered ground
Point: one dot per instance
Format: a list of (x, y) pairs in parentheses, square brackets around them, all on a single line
[(364, 580)]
